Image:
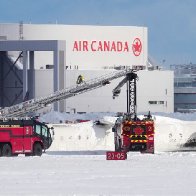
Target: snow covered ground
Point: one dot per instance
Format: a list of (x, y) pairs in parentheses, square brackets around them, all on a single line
[(76, 164), (61, 173)]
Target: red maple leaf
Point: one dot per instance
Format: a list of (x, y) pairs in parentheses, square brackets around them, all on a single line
[(138, 130), (137, 47)]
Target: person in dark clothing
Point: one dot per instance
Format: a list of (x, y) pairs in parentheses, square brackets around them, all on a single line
[(80, 79)]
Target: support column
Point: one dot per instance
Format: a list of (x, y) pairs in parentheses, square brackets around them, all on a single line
[(25, 73), (55, 76), (59, 80), (2, 54), (31, 75)]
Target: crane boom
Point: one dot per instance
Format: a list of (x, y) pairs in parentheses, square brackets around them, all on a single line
[(22, 109)]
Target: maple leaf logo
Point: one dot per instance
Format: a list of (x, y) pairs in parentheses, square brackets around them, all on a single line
[(138, 130), (137, 47)]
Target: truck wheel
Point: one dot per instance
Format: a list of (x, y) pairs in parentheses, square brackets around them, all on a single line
[(6, 150), (0, 150), (28, 154), (37, 149)]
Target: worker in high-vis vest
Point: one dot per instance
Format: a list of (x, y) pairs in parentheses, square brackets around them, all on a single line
[(80, 79)]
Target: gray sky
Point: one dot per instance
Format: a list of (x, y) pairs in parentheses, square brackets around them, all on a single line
[(171, 23)]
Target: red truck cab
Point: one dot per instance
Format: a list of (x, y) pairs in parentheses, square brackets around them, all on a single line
[(23, 136)]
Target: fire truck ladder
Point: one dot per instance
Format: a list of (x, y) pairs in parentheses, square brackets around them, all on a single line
[(24, 108), (130, 79)]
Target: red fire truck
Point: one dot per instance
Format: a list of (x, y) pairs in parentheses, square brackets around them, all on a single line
[(24, 136), (130, 132), (134, 134)]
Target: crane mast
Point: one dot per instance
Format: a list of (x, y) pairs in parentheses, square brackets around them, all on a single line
[(130, 79)]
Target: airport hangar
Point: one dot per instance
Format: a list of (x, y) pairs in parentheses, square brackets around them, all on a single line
[(37, 59)]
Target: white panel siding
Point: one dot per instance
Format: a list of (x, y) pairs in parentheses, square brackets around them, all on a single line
[(151, 86), (89, 40)]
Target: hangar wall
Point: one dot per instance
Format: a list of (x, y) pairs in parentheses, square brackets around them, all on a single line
[(89, 51), (100, 100)]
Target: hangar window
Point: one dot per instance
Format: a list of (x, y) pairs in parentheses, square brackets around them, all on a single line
[(156, 102), (152, 102), (2, 37)]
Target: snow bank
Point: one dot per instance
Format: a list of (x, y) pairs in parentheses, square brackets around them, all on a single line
[(179, 116), (84, 136), (171, 133), (57, 117)]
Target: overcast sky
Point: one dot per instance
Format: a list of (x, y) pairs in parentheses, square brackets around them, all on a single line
[(171, 23)]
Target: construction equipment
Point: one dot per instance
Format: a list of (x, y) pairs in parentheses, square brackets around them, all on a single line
[(30, 106), (23, 136), (131, 133)]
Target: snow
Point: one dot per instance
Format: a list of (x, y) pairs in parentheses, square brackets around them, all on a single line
[(70, 174), (56, 117), (75, 164), (170, 133)]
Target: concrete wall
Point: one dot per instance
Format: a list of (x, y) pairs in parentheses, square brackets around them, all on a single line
[(156, 86), (43, 82)]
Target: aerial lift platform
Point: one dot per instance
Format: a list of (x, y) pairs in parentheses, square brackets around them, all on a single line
[(130, 132)]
